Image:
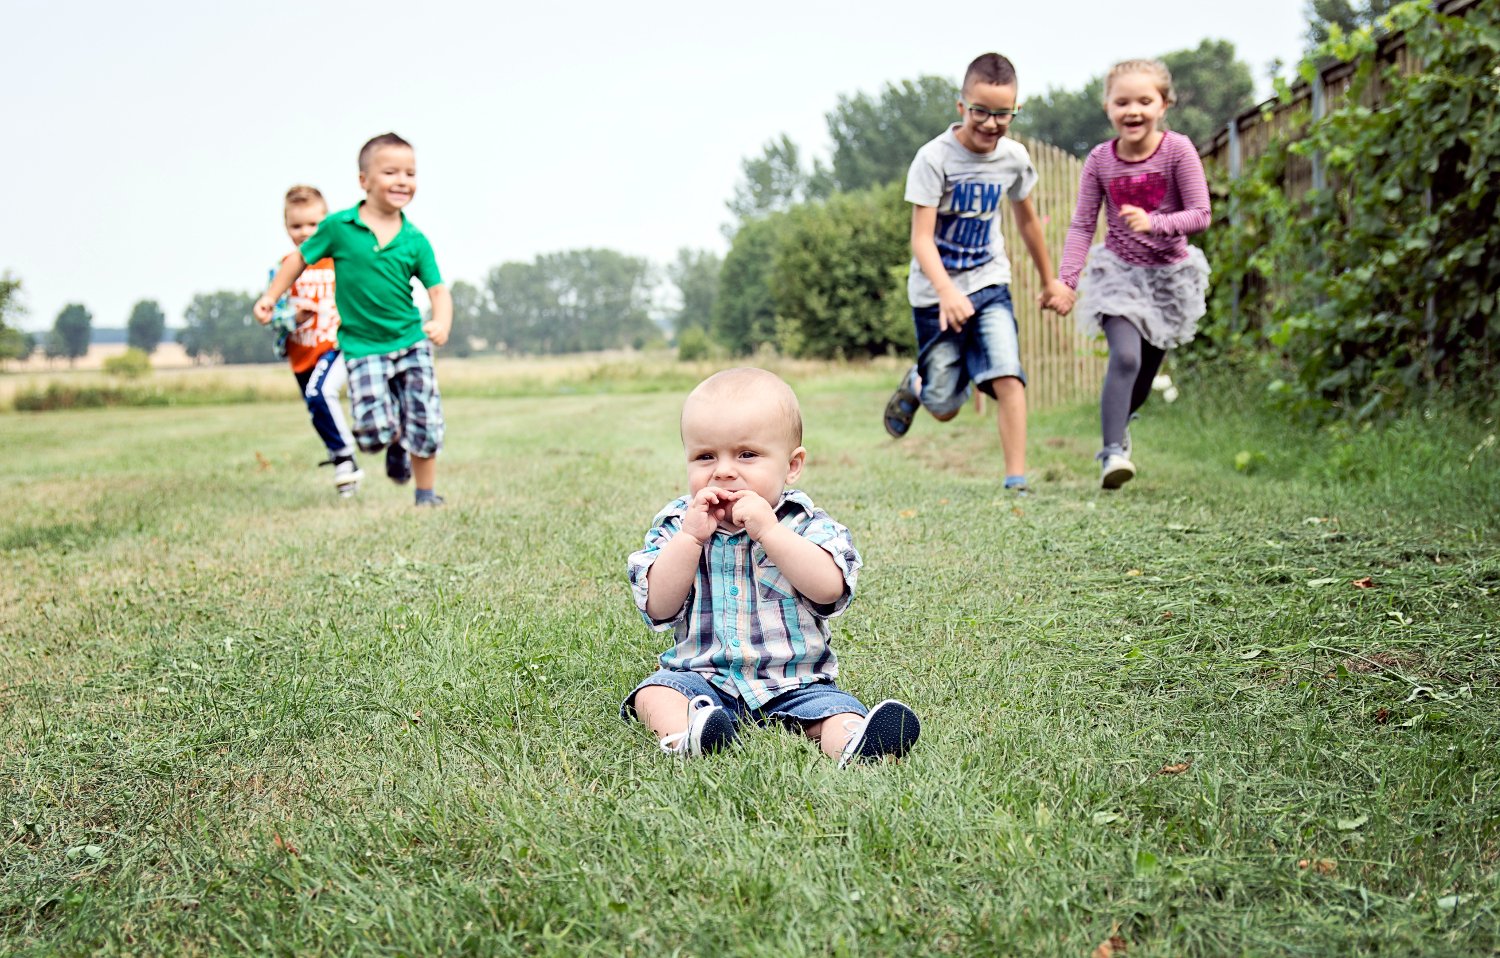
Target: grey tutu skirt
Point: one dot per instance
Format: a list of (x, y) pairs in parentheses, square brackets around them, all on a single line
[(1163, 302)]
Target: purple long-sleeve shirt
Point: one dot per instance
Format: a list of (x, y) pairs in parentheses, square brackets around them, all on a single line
[(1168, 184)]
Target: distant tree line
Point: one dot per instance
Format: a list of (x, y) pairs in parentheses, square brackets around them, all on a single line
[(818, 254)]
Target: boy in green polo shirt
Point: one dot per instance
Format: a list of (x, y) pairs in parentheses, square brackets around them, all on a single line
[(393, 392)]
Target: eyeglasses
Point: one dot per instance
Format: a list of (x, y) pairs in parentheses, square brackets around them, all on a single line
[(982, 115)]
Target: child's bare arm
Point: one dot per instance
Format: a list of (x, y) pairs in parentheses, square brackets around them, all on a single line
[(671, 576), (1055, 294), (806, 565), (291, 268), (441, 323), (953, 307)]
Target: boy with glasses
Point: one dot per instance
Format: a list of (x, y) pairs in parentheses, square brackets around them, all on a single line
[(959, 283)]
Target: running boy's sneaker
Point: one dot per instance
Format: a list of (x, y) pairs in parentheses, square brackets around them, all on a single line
[(1116, 471), (890, 729), (397, 464), (347, 476), (710, 728), (903, 405)]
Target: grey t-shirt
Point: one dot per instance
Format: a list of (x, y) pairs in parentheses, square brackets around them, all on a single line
[(966, 188)]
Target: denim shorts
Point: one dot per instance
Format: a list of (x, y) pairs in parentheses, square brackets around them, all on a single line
[(807, 703), (986, 349), (395, 396)]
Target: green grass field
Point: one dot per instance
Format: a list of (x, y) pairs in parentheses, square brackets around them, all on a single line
[(239, 716)]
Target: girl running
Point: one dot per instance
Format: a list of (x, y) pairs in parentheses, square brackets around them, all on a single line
[(1143, 286)]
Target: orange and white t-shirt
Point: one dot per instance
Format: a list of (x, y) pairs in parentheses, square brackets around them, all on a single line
[(317, 316)]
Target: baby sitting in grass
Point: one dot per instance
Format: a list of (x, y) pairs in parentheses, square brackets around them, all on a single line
[(746, 573)]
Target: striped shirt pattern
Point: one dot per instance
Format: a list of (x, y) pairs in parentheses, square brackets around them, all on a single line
[(743, 626), (1168, 184)]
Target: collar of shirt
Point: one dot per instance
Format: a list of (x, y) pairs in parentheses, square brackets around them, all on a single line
[(351, 216)]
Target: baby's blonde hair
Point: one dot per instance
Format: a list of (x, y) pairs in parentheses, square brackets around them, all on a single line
[(743, 382), (1155, 69)]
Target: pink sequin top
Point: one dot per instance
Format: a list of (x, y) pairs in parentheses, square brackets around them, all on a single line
[(1168, 184)]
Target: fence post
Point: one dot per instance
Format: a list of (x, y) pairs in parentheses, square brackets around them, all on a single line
[(1319, 110), (1235, 163), (1234, 148)]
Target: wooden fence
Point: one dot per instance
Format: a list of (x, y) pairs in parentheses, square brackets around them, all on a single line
[(1251, 133), (1061, 366)]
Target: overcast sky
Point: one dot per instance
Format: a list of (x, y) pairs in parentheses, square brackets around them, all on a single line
[(147, 146)]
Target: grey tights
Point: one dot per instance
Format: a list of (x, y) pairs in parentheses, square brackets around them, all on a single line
[(1133, 363)]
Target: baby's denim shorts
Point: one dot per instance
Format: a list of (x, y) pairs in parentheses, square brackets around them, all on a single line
[(987, 348), (807, 703)]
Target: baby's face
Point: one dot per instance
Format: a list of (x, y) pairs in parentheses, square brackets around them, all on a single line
[(744, 444)]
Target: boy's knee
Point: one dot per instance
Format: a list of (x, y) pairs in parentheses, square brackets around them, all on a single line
[(942, 394), (373, 439), (1007, 386)]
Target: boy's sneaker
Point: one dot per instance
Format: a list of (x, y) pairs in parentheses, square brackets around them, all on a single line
[(431, 499), (1116, 471), (890, 729), (397, 464), (347, 476), (903, 405), (710, 728)]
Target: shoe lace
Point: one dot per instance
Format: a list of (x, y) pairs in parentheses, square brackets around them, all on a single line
[(853, 726), (676, 743)]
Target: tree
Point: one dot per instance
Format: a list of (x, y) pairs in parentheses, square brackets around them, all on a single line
[(1068, 119), (14, 344), (521, 302), (696, 276), (144, 329), (470, 317), (1324, 15), (71, 332), (874, 140), (574, 301), (221, 327), (1211, 85), (744, 314), (776, 181), (836, 269)]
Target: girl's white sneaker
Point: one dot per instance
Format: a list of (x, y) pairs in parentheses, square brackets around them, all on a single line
[(1116, 471)]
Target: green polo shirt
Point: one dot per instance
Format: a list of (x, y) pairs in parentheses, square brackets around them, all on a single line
[(373, 282)]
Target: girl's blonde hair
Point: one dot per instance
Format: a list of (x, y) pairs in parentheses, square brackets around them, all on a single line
[(1155, 69)]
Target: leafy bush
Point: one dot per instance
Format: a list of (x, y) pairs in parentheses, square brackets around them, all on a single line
[(821, 280), (744, 314), (832, 275), (693, 345), (1377, 290), (133, 363), (57, 396)]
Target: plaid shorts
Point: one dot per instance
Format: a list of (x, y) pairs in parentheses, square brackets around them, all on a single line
[(394, 396)]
